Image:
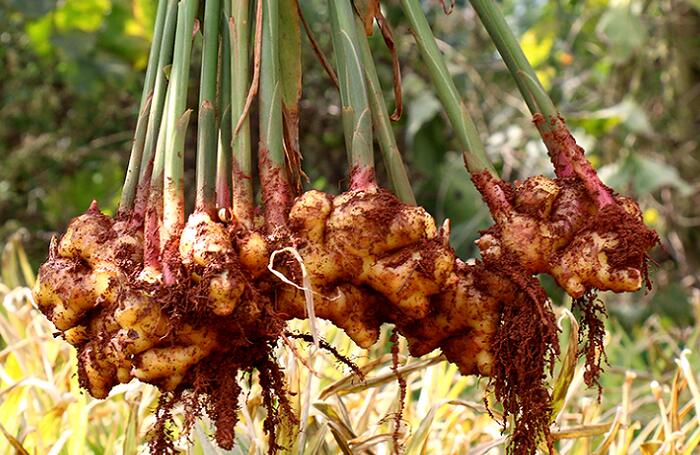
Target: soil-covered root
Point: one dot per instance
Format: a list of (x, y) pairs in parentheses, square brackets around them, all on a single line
[(207, 252), (609, 254), (351, 308), (67, 289), (87, 267), (96, 238), (554, 227), (369, 238), (524, 348), (464, 317), (370, 259)]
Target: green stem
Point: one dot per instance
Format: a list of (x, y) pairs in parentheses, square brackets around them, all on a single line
[(206, 126), (223, 161), (567, 157), (271, 158), (156, 173), (550, 125), (173, 184), (519, 67), (357, 119), (156, 116), (382, 124), (475, 158), (126, 203), (174, 204), (153, 203), (223, 157), (242, 167), (270, 90)]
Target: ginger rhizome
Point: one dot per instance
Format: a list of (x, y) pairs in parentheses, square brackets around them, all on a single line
[(371, 260), (193, 303)]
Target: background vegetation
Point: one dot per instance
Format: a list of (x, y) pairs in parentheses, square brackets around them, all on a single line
[(625, 74)]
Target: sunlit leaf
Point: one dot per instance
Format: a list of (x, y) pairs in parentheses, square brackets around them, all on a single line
[(537, 46), (568, 364), (84, 15)]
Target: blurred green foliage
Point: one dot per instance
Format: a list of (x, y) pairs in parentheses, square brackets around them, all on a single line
[(625, 73)]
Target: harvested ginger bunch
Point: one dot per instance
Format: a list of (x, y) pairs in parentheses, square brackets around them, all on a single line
[(188, 303)]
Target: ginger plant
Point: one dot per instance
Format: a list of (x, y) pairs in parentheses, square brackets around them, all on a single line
[(188, 302)]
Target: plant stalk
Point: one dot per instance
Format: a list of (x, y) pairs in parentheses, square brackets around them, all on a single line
[(357, 119), (126, 203), (155, 116), (153, 199), (271, 157), (173, 170), (291, 84), (382, 124), (242, 163), (475, 158), (223, 157), (206, 127), (519, 67), (567, 157)]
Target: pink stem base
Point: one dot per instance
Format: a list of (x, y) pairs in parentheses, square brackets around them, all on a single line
[(569, 160)]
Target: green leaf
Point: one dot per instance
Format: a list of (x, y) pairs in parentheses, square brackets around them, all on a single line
[(421, 111), (643, 175), (39, 34), (628, 113), (131, 432), (202, 442), (624, 32), (695, 4), (418, 440)]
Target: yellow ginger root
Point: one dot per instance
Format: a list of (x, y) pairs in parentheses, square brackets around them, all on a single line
[(553, 226), (206, 243), (67, 289), (368, 237), (167, 366), (350, 308), (464, 317), (369, 257)]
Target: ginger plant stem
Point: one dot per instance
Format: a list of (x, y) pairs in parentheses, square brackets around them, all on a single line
[(173, 170), (519, 67), (475, 158), (205, 199), (356, 115), (382, 124), (223, 156), (153, 198), (155, 115), (567, 157), (241, 165), (271, 158), (126, 203)]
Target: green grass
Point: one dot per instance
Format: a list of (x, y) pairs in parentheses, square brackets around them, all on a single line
[(42, 410)]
